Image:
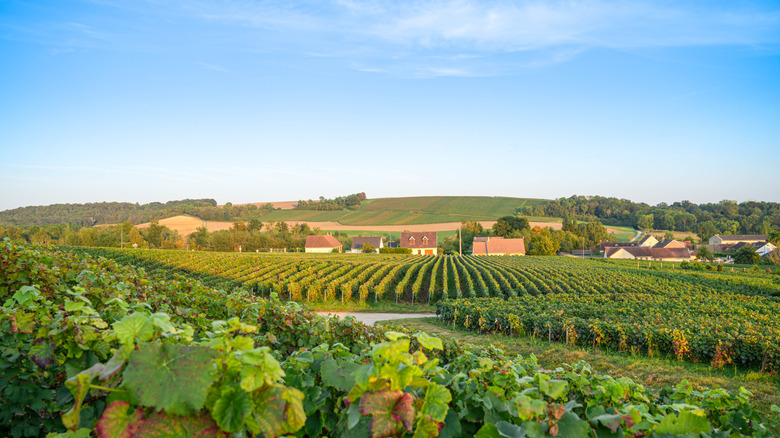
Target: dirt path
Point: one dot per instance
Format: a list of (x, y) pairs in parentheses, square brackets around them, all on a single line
[(372, 318)]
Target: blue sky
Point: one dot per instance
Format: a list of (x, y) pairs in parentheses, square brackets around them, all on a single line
[(248, 101)]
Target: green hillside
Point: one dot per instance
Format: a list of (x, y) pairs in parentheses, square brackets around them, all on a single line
[(413, 210)]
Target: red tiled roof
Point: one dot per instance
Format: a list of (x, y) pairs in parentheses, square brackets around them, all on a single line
[(671, 253), (406, 239), (326, 241), (498, 245)]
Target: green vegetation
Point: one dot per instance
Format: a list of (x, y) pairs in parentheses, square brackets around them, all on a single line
[(706, 220), (654, 372), (89, 346), (351, 202)]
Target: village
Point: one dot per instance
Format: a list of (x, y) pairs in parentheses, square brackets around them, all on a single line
[(646, 248)]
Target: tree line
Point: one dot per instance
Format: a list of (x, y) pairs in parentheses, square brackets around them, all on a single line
[(538, 240), (706, 220), (352, 201)]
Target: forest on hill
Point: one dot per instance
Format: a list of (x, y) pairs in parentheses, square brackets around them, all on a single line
[(706, 220)]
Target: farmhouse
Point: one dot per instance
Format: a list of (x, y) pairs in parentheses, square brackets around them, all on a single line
[(645, 253), (670, 243), (498, 246), (731, 239), (420, 242), (358, 242), (647, 241), (762, 248), (322, 244)]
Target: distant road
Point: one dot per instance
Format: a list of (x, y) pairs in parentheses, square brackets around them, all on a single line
[(372, 318)]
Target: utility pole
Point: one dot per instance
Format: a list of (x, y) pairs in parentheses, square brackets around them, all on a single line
[(460, 241)]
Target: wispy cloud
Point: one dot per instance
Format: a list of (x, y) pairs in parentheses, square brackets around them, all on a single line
[(459, 31)]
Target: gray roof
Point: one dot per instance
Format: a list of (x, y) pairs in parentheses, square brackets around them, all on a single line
[(358, 242)]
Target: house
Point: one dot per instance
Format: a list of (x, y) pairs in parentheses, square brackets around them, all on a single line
[(498, 246), (358, 242), (646, 253), (671, 243), (762, 248), (604, 245), (419, 242), (321, 244), (731, 239), (582, 252), (647, 240)]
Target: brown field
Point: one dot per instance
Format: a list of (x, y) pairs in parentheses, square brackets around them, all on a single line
[(187, 225), (283, 205), (679, 235)]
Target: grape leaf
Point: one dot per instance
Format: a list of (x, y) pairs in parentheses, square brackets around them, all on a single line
[(451, 427), (162, 425), (231, 408), (387, 408), (570, 425), (686, 422), (427, 428), (117, 422), (338, 374), (268, 417), (79, 387), (134, 326), (42, 353), (429, 342), (509, 430), (264, 369), (293, 410), (171, 377), (437, 399), (489, 430)]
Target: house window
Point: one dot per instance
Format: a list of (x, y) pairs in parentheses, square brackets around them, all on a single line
[(411, 241), (425, 240)]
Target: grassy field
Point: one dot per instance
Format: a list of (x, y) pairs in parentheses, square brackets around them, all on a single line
[(415, 211), (656, 372)]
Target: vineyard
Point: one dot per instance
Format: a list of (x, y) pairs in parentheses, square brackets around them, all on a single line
[(95, 348), (389, 277)]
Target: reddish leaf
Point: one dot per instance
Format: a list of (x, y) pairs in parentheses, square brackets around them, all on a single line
[(160, 424), (118, 422), (42, 353), (387, 409)]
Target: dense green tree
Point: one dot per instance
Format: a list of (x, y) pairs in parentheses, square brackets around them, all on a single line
[(705, 254), (510, 226), (747, 255), (706, 230)]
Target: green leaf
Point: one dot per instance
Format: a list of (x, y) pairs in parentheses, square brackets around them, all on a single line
[(611, 422), (489, 430), (293, 410), (554, 388), (387, 410), (427, 427), (42, 353), (451, 427), (528, 408), (510, 430), (264, 369), (26, 295), (231, 408), (268, 417), (429, 342), (338, 374), (685, 422), (113, 366), (132, 327), (171, 377), (394, 336), (79, 387), (119, 421), (437, 400), (393, 352), (162, 425), (570, 425)]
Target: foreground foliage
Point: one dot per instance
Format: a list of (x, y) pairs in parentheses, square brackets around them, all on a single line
[(112, 351)]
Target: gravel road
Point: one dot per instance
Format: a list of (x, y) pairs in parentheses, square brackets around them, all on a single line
[(372, 318)]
